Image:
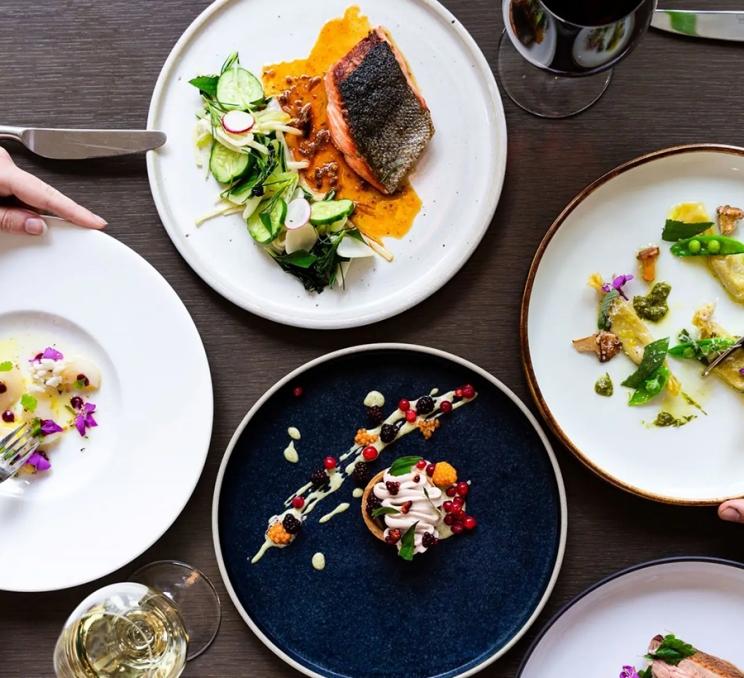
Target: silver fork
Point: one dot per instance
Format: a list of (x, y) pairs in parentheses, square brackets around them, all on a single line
[(722, 356), (15, 449)]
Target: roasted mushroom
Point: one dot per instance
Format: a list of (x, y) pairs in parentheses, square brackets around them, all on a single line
[(729, 218), (647, 258), (604, 345)]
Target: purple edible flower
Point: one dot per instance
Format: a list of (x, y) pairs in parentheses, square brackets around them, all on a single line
[(39, 462), (47, 427), (741, 371), (84, 418), (617, 284), (49, 353), (629, 672)]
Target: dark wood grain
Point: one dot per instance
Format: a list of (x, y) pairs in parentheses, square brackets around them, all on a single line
[(94, 63)]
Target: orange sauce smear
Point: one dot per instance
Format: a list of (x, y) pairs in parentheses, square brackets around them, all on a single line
[(298, 83)]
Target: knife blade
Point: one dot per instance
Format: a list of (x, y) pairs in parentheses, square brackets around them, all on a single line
[(80, 144), (711, 24)]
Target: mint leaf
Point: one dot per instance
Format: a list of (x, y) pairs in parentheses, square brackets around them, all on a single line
[(6, 366), (384, 511), (206, 84), (407, 545), (28, 402), (402, 465), (681, 230), (672, 650)]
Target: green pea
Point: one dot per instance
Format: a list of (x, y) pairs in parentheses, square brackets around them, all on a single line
[(714, 247), (694, 246)]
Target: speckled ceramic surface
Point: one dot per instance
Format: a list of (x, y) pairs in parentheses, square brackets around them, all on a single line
[(451, 610)]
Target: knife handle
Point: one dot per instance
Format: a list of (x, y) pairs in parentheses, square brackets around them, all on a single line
[(11, 133)]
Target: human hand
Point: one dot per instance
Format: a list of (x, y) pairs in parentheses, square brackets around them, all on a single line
[(732, 510), (34, 192)]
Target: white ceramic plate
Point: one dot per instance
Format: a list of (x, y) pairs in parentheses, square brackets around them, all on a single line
[(600, 231), (459, 179), (101, 507), (610, 625)]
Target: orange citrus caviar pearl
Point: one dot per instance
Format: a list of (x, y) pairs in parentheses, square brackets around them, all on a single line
[(444, 475), (278, 534)]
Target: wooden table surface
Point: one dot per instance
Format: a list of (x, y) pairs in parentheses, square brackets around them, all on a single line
[(94, 64)]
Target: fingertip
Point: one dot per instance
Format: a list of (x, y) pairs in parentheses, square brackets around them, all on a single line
[(35, 226), (732, 511)]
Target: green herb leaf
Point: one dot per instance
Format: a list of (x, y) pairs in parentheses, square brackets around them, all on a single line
[(6, 366), (407, 545), (206, 84), (603, 320), (403, 465), (300, 258), (384, 511), (232, 60), (653, 358), (672, 650), (79, 384), (646, 673), (28, 402), (323, 272), (681, 230)]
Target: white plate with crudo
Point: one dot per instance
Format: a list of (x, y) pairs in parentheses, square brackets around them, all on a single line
[(610, 625), (601, 230), (109, 496), (459, 178)]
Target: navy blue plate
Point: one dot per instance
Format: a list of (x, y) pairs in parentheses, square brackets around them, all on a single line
[(368, 613)]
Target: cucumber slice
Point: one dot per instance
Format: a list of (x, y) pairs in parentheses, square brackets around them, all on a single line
[(258, 230), (225, 164), (239, 89), (328, 211), (277, 216)]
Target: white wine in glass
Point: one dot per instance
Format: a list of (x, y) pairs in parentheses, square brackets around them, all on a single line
[(125, 630)]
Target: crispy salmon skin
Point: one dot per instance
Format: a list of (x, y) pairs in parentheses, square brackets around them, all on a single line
[(377, 116)]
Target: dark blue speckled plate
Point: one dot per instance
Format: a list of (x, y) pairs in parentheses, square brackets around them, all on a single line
[(368, 613)]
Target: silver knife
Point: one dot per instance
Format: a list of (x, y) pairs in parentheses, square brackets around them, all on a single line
[(711, 24), (79, 144)]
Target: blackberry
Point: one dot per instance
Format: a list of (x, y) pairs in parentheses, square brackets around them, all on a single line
[(429, 540), (291, 524), (373, 502), (424, 405), (393, 487), (375, 414), (393, 536), (362, 473), (318, 477), (388, 433)]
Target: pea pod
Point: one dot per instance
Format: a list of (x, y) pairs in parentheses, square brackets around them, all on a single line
[(653, 358), (651, 387), (702, 348), (707, 245)]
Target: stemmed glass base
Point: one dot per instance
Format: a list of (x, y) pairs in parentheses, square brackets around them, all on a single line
[(194, 596), (542, 93)]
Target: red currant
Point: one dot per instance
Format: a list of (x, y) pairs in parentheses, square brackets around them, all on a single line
[(469, 522), (8, 417), (330, 463), (421, 464), (450, 491), (457, 502), (468, 391), (457, 528), (410, 416), (447, 506), (298, 502), (430, 469), (458, 513), (458, 393), (370, 453), (445, 406), (463, 488), (449, 519), (404, 405), (297, 391)]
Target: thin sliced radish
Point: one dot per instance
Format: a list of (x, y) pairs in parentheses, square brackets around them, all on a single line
[(302, 238), (352, 248), (237, 122), (298, 213)]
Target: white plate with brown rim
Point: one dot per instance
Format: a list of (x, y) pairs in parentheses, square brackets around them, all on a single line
[(601, 230)]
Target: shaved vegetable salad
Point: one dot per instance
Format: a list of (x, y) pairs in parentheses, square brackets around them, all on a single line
[(239, 136)]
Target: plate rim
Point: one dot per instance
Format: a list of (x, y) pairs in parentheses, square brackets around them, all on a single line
[(329, 323), (527, 365), (649, 564), (174, 515), (416, 348)]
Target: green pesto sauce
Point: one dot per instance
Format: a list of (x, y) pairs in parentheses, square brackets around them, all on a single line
[(665, 419), (654, 305), (604, 386)]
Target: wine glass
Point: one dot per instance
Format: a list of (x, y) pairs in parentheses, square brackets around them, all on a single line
[(145, 628), (555, 56)]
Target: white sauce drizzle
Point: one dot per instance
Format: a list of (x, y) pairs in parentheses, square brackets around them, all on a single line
[(294, 433), (318, 561), (290, 453), (337, 477), (357, 493), (339, 509)]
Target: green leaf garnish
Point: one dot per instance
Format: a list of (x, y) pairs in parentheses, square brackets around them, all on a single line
[(6, 366), (28, 402), (672, 650), (603, 319), (407, 545), (300, 258), (79, 384), (206, 84), (384, 511), (646, 673), (681, 230), (653, 358), (402, 465)]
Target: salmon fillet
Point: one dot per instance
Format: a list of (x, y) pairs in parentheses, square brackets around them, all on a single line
[(699, 665), (376, 114)]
